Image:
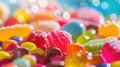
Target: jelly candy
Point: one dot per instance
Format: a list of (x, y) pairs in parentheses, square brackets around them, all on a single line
[(105, 30), (74, 48), (95, 46), (32, 59), (52, 52), (15, 30), (22, 15), (4, 55), (19, 52), (38, 38), (59, 39), (115, 64), (47, 26), (110, 51), (28, 45), (12, 47), (37, 51), (75, 28), (20, 62), (16, 38)]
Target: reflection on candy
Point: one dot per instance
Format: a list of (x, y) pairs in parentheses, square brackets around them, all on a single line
[(4, 55), (37, 51), (16, 30)]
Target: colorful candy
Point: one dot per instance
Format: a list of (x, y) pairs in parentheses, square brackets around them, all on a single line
[(4, 55)]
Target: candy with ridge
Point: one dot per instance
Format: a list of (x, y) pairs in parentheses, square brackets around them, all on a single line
[(28, 45), (19, 52), (95, 46), (31, 58), (110, 51), (15, 30), (105, 29), (75, 28), (4, 55), (59, 39), (20, 62)]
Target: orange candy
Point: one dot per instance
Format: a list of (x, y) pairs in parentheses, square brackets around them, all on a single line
[(74, 48), (7, 43), (10, 65), (109, 29)]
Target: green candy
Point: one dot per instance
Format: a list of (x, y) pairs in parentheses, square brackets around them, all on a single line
[(95, 46)]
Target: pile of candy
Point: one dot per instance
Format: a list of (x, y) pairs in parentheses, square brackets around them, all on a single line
[(51, 37)]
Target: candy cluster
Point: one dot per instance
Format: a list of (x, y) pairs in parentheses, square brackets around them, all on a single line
[(52, 37)]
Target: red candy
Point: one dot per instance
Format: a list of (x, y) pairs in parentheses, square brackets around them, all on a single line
[(59, 39), (38, 38)]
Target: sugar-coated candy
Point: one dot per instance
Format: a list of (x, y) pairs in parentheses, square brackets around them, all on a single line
[(22, 15), (28, 45), (10, 65), (37, 51), (5, 61), (4, 55), (19, 52), (59, 39), (12, 47), (52, 52), (115, 64), (110, 51), (11, 21), (7, 43), (31, 58), (95, 46), (38, 38), (20, 62), (15, 30), (105, 29), (74, 48), (47, 26), (75, 28), (103, 65), (16, 38)]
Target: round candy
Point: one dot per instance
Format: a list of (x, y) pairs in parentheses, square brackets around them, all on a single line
[(75, 28), (38, 38), (110, 51), (5, 61), (38, 51), (12, 47), (74, 48), (47, 26), (28, 45), (10, 65), (103, 65), (51, 52), (19, 52), (59, 39), (20, 62), (4, 55), (7, 43), (115, 64), (16, 38), (32, 59)]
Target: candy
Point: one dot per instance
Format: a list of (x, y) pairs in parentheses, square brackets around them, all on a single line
[(103, 65), (38, 51), (20, 62), (5, 61), (107, 28), (31, 59), (110, 51), (28, 45), (16, 38), (4, 55), (59, 39), (115, 64), (38, 38), (47, 26), (52, 52), (19, 52), (95, 46), (10, 65), (75, 28), (22, 15), (15, 31), (12, 47)]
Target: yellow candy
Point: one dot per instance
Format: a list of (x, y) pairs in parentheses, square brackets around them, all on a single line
[(22, 15), (16, 30), (28, 45), (37, 50), (31, 59), (4, 55), (109, 29)]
